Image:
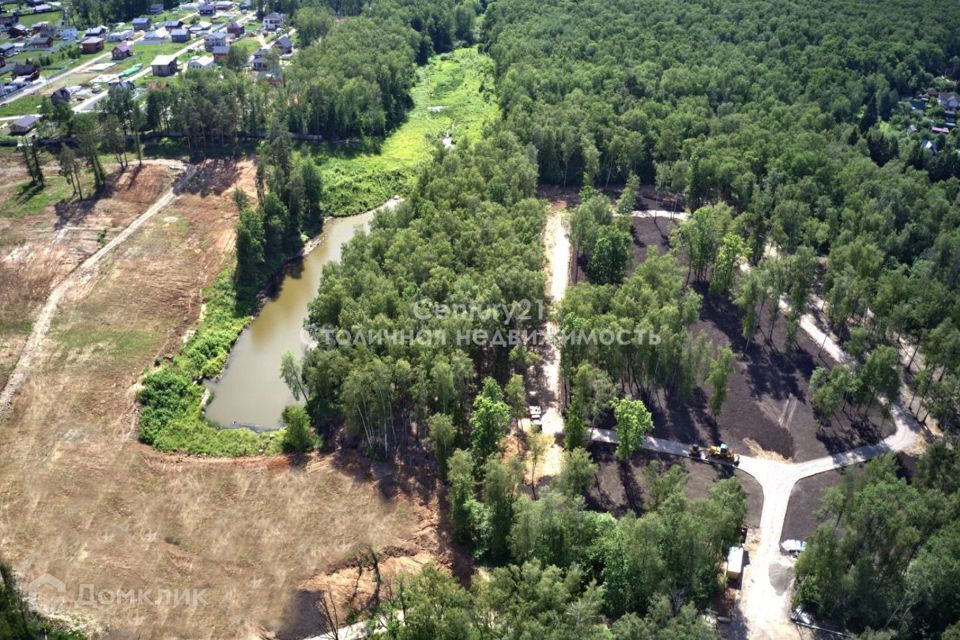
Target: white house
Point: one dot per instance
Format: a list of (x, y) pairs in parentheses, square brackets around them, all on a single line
[(215, 39), (120, 36), (200, 62), (160, 36), (273, 21), (69, 34)]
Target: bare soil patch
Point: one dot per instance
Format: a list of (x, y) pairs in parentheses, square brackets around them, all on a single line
[(82, 500), (807, 495), (38, 251), (767, 412), (622, 488)]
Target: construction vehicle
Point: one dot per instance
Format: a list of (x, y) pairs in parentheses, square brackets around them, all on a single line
[(723, 453)]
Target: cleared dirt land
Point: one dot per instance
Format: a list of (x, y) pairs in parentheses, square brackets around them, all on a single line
[(39, 249), (767, 411), (83, 501), (622, 488)]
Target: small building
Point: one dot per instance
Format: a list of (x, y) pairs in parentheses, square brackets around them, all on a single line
[(156, 8), (92, 45), (246, 5), (215, 39), (95, 32), (236, 29), (259, 60), (949, 100), (940, 130), (200, 27), (224, 5), (24, 125), (60, 95), (121, 35), (141, 24), (206, 9), (43, 8), (18, 31), (273, 21), (164, 66), (160, 36), (180, 35), (40, 42), (121, 52), (28, 71), (7, 49), (220, 53), (69, 34), (283, 44), (173, 24), (735, 563), (200, 62)]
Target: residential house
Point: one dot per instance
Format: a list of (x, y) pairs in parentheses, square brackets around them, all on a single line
[(43, 8), (141, 24), (283, 44), (173, 24), (273, 21), (200, 62), (40, 42), (246, 5), (215, 39), (221, 53), (236, 29), (28, 72), (156, 9), (18, 31), (160, 36), (95, 32), (121, 51), (200, 27), (164, 66), (224, 5), (949, 100), (206, 9), (121, 35), (180, 35), (69, 34), (92, 45), (24, 125), (60, 95), (259, 60), (7, 49), (929, 146)]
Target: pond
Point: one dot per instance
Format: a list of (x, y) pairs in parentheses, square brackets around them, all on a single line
[(250, 393)]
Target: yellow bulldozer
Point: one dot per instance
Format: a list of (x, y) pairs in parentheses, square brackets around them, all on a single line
[(722, 452)]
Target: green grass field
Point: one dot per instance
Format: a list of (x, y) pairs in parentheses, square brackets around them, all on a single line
[(360, 178)]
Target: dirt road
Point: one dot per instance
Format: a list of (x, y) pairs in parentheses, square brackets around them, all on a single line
[(82, 273)]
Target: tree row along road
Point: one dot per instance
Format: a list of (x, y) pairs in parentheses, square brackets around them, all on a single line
[(76, 277), (765, 605)]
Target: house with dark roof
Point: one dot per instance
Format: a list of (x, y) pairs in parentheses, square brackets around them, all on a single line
[(28, 71), (18, 31), (173, 24), (60, 95), (24, 125), (220, 53), (206, 9), (180, 35), (141, 24), (92, 45), (40, 42), (236, 29), (121, 51), (283, 44), (95, 32)]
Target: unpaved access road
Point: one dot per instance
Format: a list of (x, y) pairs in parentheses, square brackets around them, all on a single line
[(79, 275)]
